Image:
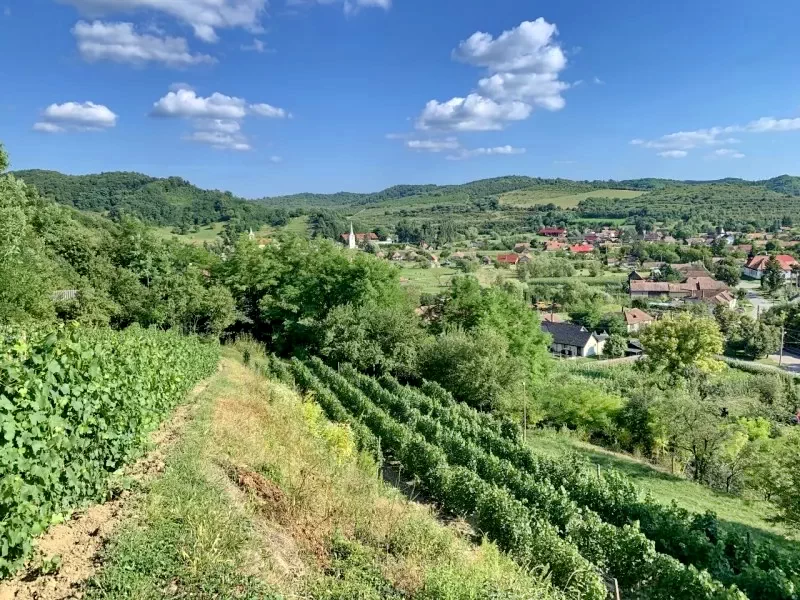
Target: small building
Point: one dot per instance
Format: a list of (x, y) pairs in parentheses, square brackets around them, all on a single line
[(522, 247), (554, 246), (573, 341), (635, 319), (508, 259), (692, 270), (553, 231), (636, 276), (724, 298), (756, 266), (591, 238), (581, 249)]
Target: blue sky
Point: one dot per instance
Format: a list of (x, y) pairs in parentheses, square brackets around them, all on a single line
[(276, 97)]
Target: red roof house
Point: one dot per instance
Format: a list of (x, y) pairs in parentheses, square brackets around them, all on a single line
[(508, 259), (581, 248), (554, 246), (755, 266), (361, 237)]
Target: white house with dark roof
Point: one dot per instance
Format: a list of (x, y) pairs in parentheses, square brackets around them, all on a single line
[(573, 341)]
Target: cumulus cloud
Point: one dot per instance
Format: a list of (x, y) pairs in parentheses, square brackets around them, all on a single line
[(473, 113), (179, 85), (186, 103), (673, 154), (216, 119), (495, 151), (269, 111), (204, 16), (76, 116), (523, 67), (119, 42), (769, 124), (275, 159)]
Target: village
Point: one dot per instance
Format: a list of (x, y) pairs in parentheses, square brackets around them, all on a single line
[(597, 289)]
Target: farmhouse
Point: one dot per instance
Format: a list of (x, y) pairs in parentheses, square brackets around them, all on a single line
[(554, 246), (694, 288), (581, 248), (522, 247), (553, 231), (508, 259), (756, 266), (635, 319), (573, 341)]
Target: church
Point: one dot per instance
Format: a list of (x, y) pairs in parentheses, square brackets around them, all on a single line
[(354, 240)]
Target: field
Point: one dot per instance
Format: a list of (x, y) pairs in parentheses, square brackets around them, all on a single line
[(752, 515), (561, 200)]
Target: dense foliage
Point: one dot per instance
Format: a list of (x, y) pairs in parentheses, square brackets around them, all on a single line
[(75, 406), (171, 201)]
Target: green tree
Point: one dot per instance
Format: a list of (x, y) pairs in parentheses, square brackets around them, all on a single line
[(772, 279), (729, 271), (616, 346), (679, 344)]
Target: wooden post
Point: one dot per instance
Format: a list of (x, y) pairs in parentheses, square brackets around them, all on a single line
[(616, 589), (783, 335), (598, 470)]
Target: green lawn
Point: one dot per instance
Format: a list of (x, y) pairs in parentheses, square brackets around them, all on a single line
[(432, 281), (536, 196), (751, 515)]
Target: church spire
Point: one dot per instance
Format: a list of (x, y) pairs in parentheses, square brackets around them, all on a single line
[(352, 239)]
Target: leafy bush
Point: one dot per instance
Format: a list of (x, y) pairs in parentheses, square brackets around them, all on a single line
[(75, 406)]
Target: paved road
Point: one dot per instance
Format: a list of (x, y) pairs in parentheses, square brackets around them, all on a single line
[(759, 304)]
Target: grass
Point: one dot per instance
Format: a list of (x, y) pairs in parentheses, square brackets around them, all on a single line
[(265, 498), (561, 200), (749, 515)]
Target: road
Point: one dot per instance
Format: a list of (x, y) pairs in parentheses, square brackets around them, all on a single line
[(759, 304)]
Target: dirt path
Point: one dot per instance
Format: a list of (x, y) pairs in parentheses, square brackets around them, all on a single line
[(78, 542)]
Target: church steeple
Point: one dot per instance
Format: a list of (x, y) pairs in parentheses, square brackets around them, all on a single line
[(351, 241)]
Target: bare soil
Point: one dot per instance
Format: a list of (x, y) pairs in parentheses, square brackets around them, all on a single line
[(68, 554)]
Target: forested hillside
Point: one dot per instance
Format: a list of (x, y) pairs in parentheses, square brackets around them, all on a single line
[(172, 201)]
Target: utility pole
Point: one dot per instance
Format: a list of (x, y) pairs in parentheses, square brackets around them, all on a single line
[(783, 335)]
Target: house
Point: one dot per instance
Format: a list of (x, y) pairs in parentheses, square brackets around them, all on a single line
[(581, 249), (522, 247), (756, 266), (694, 288), (573, 341), (525, 258), (636, 276), (553, 231), (508, 259), (652, 236), (635, 319), (591, 238), (725, 298), (692, 270), (554, 246)]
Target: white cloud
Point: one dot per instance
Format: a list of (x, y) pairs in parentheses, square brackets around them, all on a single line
[(726, 153), (717, 136), (349, 6), (186, 103), (523, 68), (45, 127), (119, 42), (275, 159), (257, 46), (220, 140), (598, 81), (217, 119), (529, 47), (269, 111), (204, 16), (673, 154), (473, 113), (768, 124), (76, 116), (179, 85), (433, 145), (541, 89), (496, 151)]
